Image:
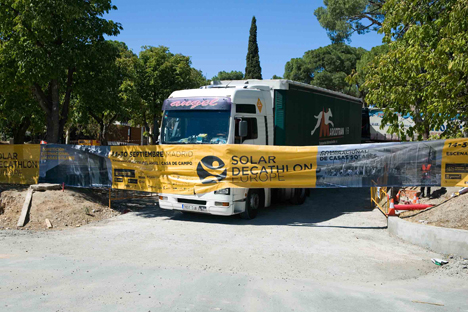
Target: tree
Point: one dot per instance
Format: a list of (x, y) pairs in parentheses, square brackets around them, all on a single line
[(161, 73), (358, 76), (111, 94), (276, 77), (232, 75), (342, 18), (18, 114), (326, 67), (425, 73), (253, 69), (49, 46)]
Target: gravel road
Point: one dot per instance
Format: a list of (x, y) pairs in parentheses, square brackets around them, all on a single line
[(331, 254)]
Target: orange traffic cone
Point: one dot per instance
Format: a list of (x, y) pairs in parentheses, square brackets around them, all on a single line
[(398, 196), (391, 210)]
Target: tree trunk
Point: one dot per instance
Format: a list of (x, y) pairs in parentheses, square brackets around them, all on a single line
[(63, 118), (54, 136), (150, 132), (50, 103), (156, 130), (20, 132), (103, 133)]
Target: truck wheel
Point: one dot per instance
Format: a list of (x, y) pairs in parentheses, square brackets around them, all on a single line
[(299, 196), (253, 202)]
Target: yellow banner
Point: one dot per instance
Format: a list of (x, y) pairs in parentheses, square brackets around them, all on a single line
[(455, 163), (189, 169), (19, 164)]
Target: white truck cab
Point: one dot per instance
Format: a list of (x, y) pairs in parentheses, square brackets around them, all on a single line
[(212, 115)]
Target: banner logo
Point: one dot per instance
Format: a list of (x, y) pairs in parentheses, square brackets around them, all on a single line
[(324, 122), (208, 170)]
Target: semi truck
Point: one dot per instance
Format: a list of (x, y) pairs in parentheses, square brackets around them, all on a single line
[(257, 112)]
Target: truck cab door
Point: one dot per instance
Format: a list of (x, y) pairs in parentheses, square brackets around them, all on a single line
[(256, 131)]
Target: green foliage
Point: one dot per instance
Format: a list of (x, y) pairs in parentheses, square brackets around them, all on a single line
[(49, 46), (326, 67), (342, 18), (253, 69), (110, 94), (358, 76), (232, 75), (161, 73), (19, 113), (276, 77), (425, 72)]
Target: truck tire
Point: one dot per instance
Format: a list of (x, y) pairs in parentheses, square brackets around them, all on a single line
[(254, 201), (298, 197)]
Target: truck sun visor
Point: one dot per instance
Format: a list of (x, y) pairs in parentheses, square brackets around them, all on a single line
[(212, 103)]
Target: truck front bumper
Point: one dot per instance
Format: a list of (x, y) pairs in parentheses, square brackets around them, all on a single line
[(201, 204)]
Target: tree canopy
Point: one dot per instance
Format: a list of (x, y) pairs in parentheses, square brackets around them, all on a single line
[(425, 73), (18, 114), (49, 46), (342, 18), (232, 75), (359, 75), (326, 67), (111, 93), (160, 74)]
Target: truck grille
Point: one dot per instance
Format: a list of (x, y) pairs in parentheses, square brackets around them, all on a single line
[(191, 201)]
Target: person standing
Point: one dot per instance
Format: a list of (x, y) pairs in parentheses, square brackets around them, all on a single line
[(426, 179)]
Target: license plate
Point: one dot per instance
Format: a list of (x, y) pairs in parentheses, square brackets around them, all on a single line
[(193, 207)]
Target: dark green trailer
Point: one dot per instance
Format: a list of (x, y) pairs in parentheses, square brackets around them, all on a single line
[(306, 115)]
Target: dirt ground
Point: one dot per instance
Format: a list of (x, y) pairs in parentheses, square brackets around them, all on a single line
[(333, 253), (72, 208), (448, 212)]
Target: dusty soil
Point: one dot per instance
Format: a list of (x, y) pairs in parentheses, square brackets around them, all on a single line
[(331, 254), (72, 208), (450, 212)]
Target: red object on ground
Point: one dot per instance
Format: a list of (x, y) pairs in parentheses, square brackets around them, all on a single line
[(391, 210), (412, 207)]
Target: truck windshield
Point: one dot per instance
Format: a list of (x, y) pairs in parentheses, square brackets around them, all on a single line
[(195, 127)]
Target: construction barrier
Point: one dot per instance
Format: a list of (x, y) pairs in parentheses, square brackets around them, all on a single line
[(189, 169), (380, 198)]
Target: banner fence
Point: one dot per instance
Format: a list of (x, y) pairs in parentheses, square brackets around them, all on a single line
[(191, 169)]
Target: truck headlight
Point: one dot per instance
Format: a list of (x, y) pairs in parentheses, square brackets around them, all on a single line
[(226, 191)]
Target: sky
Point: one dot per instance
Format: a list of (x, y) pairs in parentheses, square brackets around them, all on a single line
[(215, 33)]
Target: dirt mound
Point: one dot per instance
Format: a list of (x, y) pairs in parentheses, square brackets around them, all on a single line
[(451, 212), (71, 208)]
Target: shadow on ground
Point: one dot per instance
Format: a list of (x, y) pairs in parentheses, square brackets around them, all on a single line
[(321, 206)]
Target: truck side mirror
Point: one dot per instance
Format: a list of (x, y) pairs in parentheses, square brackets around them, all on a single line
[(243, 128)]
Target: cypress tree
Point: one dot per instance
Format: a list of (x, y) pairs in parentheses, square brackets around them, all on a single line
[(253, 69)]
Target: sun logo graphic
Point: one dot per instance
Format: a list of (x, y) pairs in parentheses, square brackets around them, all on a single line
[(211, 169), (324, 122)]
